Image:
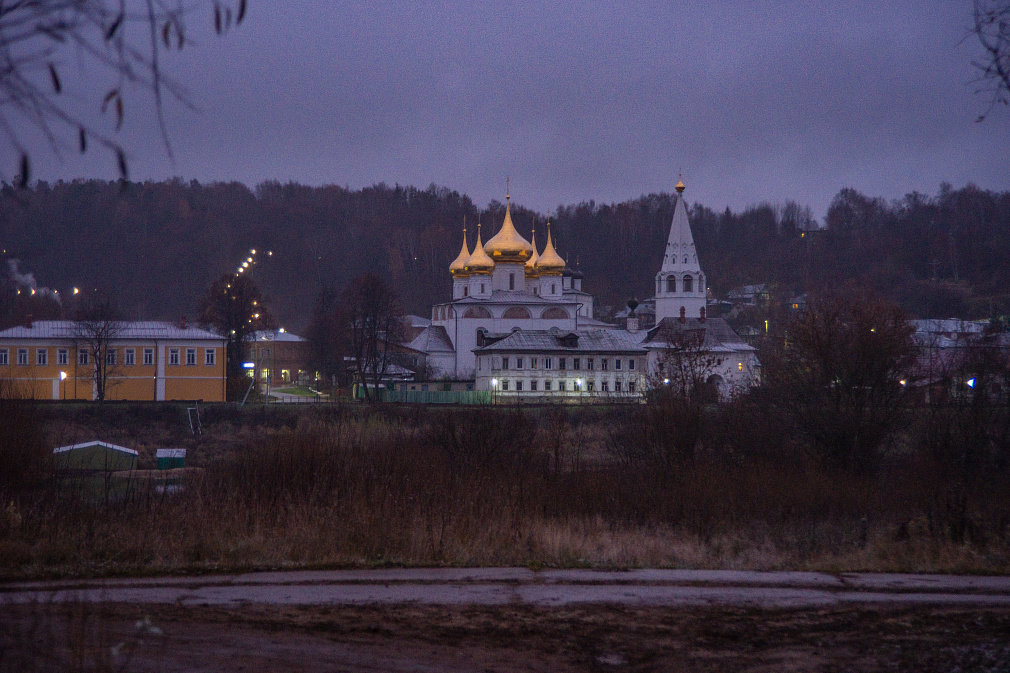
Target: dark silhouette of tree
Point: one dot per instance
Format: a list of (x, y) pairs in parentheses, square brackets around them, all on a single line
[(97, 325), (234, 307), (992, 27), (837, 371), (373, 320), (40, 39), (327, 338)]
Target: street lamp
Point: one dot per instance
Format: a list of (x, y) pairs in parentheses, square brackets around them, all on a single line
[(63, 386)]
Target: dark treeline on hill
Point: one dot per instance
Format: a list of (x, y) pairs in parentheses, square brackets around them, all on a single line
[(156, 247)]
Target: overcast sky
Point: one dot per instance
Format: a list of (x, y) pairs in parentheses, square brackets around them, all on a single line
[(752, 101)]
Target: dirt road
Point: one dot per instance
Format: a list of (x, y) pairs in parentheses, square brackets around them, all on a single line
[(510, 620)]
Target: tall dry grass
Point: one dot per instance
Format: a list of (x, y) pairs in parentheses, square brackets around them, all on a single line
[(510, 487)]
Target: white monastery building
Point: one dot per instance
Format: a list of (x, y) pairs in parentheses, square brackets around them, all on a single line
[(520, 324)]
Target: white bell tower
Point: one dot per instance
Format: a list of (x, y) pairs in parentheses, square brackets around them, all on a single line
[(680, 284)]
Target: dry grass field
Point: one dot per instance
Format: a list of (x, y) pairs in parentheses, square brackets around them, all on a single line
[(339, 486)]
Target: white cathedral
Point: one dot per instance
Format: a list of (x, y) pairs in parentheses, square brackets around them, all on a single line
[(520, 325)]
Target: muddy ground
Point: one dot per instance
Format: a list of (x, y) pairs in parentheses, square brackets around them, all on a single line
[(512, 638)]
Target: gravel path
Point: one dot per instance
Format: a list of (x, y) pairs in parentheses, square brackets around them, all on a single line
[(519, 586)]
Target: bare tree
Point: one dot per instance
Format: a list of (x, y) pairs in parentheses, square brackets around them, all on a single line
[(235, 308), (841, 373), (374, 323), (124, 38), (96, 327), (992, 27)]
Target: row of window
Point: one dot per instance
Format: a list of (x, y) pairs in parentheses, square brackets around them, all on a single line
[(519, 362), (564, 386), (688, 284), (111, 356)]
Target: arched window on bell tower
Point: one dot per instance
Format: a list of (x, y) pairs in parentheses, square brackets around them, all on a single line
[(671, 283), (688, 284)]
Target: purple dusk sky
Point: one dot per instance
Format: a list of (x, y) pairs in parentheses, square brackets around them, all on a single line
[(753, 101)]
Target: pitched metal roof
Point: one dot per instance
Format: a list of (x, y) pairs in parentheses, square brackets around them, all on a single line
[(432, 340), (273, 335), (715, 334), (593, 341), (139, 329)]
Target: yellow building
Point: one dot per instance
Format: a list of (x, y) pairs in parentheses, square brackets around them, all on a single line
[(144, 360)]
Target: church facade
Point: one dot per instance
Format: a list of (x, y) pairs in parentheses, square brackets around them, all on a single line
[(520, 324)]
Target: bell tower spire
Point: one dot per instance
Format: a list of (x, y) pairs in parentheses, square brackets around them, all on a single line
[(680, 283)]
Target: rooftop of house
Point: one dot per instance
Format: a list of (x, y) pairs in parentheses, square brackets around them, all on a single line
[(554, 339), (123, 329)]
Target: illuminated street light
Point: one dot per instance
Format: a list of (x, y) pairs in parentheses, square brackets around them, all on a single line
[(971, 382), (76, 291), (63, 376)]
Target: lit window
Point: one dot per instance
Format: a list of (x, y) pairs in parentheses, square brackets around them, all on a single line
[(534, 362), (173, 357), (4, 356), (22, 356), (210, 357), (148, 357), (130, 357)]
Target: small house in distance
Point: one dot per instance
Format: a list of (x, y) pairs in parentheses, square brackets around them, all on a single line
[(279, 357), (95, 456)]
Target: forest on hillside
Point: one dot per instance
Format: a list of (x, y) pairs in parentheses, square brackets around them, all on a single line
[(156, 247)]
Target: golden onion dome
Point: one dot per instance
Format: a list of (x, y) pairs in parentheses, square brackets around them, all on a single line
[(458, 266), (680, 186), (479, 262), (550, 263), (507, 245), (531, 263)]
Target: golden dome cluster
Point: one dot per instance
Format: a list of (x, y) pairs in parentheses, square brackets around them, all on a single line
[(507, 246)]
